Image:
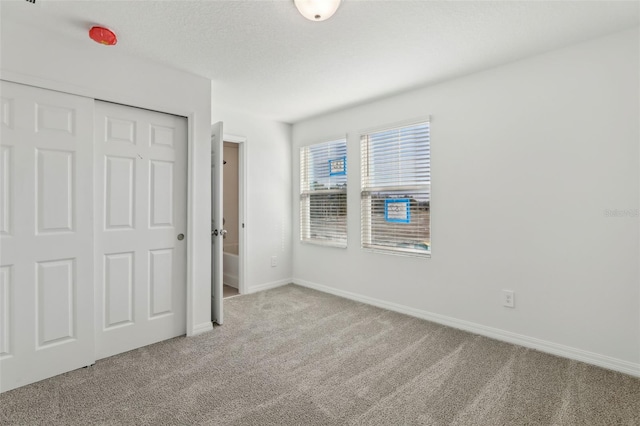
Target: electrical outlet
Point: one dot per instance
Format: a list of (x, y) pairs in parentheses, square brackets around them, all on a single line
[(274, 261), (508, 298)]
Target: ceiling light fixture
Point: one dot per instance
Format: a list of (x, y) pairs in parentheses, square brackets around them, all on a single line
[(317, 10)]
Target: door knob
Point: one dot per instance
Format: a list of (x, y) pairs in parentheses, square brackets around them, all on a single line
[(223, 232), (180, 237)]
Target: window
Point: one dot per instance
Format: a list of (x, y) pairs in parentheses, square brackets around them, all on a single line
[(323, 193), (396, 190)]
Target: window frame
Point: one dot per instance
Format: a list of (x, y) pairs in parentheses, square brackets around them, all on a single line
[(306, 192), (366, 191)]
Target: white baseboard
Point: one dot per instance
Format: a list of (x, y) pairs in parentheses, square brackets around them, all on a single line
[(267, 286), (593, 358), (202, 328), (230, 280)]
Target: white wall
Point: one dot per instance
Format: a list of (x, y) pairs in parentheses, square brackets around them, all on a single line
[(82, 67), (526, 159), (268, 186)]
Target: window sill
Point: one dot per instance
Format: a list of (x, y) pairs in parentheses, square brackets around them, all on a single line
[(324, 243), (398, 252)]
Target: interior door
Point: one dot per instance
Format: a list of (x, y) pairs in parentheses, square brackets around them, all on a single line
[(141, 211), (217, 232), (46, 242)]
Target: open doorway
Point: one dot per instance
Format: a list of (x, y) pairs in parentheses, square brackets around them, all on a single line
[(233, 216)]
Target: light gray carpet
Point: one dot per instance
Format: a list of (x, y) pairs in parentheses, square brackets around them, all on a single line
[(293, 356)]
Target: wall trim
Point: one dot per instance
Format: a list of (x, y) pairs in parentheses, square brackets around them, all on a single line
[(201, 328), (610, 363), (268, 286)]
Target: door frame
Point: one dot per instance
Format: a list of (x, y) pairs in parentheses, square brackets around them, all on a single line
[(241, 141), (194, 262)]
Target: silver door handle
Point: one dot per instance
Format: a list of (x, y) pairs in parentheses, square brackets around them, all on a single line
[(223, 232)]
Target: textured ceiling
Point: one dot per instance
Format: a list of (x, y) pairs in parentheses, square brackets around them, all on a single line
[(265, 58)]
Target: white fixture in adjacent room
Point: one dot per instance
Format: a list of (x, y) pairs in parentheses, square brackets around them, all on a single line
[(317, 10)]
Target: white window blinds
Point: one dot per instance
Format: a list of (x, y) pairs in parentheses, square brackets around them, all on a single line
[(323, 193), (396, 189)]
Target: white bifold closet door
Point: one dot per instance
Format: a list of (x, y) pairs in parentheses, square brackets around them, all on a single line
[(46, 245), (140, 259)]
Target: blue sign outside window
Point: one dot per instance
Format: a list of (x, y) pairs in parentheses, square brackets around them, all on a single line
[(338, 166), (397, 210)]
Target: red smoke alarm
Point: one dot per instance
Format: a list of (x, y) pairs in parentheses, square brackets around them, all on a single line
[(103, 36)]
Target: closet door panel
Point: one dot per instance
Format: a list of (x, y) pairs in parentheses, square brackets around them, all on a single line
[(46, 234), (141, 207)]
